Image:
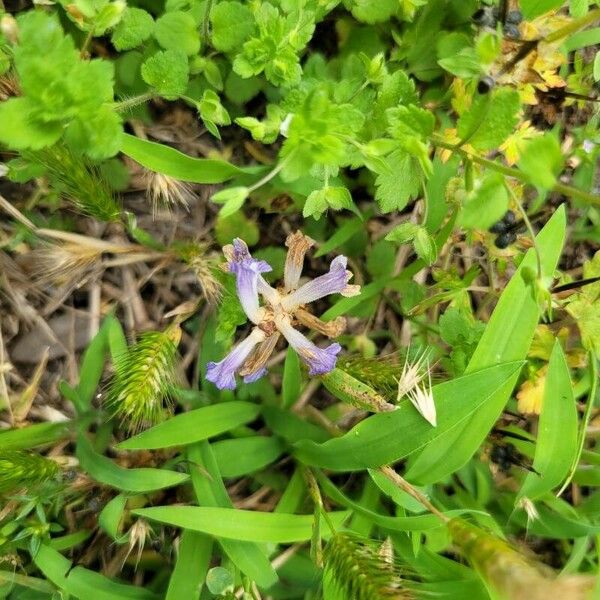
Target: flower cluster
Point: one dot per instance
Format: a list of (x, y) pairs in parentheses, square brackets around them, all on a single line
[(281, 309)]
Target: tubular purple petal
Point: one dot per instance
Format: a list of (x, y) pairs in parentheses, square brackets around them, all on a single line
[(333, 282), (222, 374), (248, 273), (319, 360), (255, 376)]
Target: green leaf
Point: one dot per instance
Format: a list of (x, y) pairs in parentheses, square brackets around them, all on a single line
[(465, 63), (336, 198), (102, 469), (236, 458), (232, 200), (556, 444), (219, 581), (111, 516), (487, 204), (507, 337), (210, 491), (83, 583), (193, 560), (134, 28), (373, 11), (20, 130), (403, 233), (176, 30), (235, 524), (225, 36), (396, 523), (292, 379), (385, 438), (542, 160), (193, 426), (31, 436), (424, 245), (166, 160), (534, 8), (491, 119), (210, 107), (402, 167), (167, 72)]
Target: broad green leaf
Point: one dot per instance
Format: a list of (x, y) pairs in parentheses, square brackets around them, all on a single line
[(556, 444), (167, 72), (507, 337), (385, 438), (486, 204), (193, 560), (236, 524), (246, 455), (193, 426), (176, 30), (168, 161), (542, 160), (134, 28), (102, 469), (210, 491), (490, 120), (224, 36)]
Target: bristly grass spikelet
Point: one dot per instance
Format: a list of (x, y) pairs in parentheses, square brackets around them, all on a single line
[(78, 180), (357, 568), (19, 468), (140, 391), (167, 192), (381, 373), (510, 574), (196, 255)]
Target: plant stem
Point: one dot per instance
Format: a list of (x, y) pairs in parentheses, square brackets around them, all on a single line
[(530, 229), (124, 105), (273, 173), (412, 491), (206, 21), (572, 27), (88, 39), (562, 188)]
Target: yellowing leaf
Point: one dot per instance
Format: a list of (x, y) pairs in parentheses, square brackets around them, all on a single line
[(531, 394)]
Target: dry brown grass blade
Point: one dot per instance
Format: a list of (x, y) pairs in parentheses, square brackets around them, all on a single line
[(23, 404)]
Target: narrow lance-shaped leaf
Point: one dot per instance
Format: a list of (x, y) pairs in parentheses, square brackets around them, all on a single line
[(507, 337), (387, 437), (556, 445)]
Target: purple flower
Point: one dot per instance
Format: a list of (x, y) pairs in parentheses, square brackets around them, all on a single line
[(282, 307), (248, 272), (334, 282), (319, 360), (222, 374)]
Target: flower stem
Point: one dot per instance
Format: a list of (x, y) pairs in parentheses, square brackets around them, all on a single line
[(271, 174), (132, 102), (412, 491), (562, 188)]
